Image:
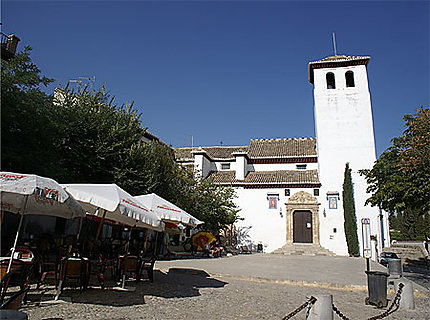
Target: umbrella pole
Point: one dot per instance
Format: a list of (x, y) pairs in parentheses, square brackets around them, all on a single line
[(79, 229), (99, 229), (145, 239), (17, 234), (127, 246), (2, 216)]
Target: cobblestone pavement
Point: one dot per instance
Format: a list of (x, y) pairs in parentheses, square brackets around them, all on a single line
[(242, 287)]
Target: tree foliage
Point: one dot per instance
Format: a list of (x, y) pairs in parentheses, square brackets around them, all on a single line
[(400, 179), (350, 218), (85, 137), (26, 134), (96, 138)]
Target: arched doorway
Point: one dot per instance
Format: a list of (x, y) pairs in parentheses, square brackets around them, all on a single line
[(302, 219)]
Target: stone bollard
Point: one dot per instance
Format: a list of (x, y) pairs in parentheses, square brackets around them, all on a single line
[(322, 309), (407, 296)]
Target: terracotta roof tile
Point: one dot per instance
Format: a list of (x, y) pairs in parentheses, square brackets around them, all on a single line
[(282, 148), (340, 58), (258, 148), (268, 177)]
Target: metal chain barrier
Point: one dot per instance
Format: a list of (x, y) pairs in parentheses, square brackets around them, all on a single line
[(308, 304), (395, 304), (339, 313)]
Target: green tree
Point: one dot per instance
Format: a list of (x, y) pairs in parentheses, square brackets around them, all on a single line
[(400, 179), (98, 141), (27, 134), (214, 204), (350, 219)]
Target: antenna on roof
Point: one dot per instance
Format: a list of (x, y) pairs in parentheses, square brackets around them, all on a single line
[(80, 81), (192, 141), (334, 43)]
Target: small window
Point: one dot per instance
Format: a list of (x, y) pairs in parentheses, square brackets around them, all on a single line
[(331, 84), (301, 166), (334, 230), (287, 192), (349, 77), (316, 192), (225, 166)]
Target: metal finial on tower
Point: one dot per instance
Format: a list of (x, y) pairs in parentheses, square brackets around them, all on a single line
[(334, 43)]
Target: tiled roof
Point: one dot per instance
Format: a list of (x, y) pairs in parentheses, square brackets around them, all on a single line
[(257, 149), (340, 58), (268, 177), (282, 148)]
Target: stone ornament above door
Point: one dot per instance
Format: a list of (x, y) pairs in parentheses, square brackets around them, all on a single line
[(302, 197)]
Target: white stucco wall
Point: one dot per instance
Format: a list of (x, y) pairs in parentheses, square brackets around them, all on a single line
[(240, 167), (267, 225), (202, 165)]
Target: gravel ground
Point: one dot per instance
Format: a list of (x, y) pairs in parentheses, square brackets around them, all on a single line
[(187, 292)]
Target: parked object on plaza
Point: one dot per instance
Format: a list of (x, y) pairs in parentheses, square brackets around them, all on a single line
[(386, 257), (377, 288), (202, 239), (26, 194), (167, 211), (109, 201)]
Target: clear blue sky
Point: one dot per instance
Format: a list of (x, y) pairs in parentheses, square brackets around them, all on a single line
[(232, 70)]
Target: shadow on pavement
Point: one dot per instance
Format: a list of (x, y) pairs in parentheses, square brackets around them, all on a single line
[(176, 283)]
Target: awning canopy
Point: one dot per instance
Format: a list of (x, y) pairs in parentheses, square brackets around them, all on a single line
[(167, 210), (112, 202), (32, 194)]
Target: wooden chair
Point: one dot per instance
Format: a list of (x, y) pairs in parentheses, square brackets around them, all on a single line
[(148, 266), (48, 268), (97, 268), (73, 268), (15, 301), (18, 275), (129, 264)]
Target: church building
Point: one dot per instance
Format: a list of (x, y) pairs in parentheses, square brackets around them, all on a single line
[(289, 190)]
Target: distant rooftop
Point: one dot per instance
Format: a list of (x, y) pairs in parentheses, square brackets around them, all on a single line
[(257, 149)]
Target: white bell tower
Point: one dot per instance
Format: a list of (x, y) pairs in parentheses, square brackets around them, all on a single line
[(344, 132)]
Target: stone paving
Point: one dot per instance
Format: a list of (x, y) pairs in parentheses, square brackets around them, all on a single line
[(257, 286)]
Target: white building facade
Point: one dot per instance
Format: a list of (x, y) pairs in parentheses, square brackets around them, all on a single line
[(290, 190)]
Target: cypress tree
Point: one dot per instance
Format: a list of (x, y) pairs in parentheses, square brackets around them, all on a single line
[(350, 219)]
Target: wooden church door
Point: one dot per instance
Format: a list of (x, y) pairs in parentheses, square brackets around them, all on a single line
[(302, 227)]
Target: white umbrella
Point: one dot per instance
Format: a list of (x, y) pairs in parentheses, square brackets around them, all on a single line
[(31, 194), (111, 202), (167, 210), (117, 205)]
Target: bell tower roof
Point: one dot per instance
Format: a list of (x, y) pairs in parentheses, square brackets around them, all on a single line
[(336, 61)]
